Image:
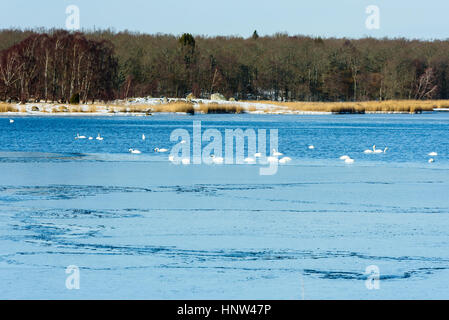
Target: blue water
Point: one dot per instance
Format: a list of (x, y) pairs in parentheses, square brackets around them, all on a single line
[(409, 137), (140, 227)]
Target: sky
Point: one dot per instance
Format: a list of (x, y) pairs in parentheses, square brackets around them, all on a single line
[(415, 19)]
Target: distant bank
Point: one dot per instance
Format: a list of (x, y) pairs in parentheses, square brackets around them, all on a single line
[(148, 106)]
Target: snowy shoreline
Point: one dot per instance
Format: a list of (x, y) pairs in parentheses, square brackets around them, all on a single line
[(146, 107)]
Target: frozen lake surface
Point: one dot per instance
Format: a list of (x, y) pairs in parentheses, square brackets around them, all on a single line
[(139, 227)]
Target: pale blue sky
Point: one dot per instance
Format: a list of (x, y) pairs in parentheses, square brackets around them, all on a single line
[(327, 18)]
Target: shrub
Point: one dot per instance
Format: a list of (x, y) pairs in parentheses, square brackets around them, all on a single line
[(75, 98)]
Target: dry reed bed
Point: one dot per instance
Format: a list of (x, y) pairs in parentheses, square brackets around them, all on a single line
[(178, 106), (215, 108), (182, 107), (172, 107), (402, 106), (6, 107)]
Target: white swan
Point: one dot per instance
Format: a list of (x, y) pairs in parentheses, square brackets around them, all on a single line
[(380, 151), (183, 142), (250, 160), (277, 153), (134, 151), (80, 137), (91, 138), (184, 161), (311, 147), (11, 121), (349, 161), (431, 160), (100, 138), (258, 155), (143, 136), (160, 150), (433, 154), (344, 157), (217, 160), (374, 150), (370, 150), (285, 160)]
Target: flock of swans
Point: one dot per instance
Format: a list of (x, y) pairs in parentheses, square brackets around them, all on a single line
[(130, 150), (274, 157), (99, 137), (349, 160)]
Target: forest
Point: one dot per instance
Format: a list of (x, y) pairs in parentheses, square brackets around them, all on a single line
[(57, 65)]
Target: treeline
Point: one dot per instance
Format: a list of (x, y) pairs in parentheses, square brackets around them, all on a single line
[(62, 67), (275, 67)]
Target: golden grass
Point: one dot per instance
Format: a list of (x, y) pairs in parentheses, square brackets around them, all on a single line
[(59, 109), (75, 108), (212, 108), (178, 106), (7, 107), (251, 109), (389, 106), (402, 106)]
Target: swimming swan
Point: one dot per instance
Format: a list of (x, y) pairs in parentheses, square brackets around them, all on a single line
[(184, 161), (143, 137), (160, 150), (344, 157), (80, 137), (217, 160), (311, 147), (277, 153), (370, 150), (134, 151), (380, 151), (433, 154), (285, 160), (250, 160), (349, 161), (100, 138), (374, 150), (11, 121)]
